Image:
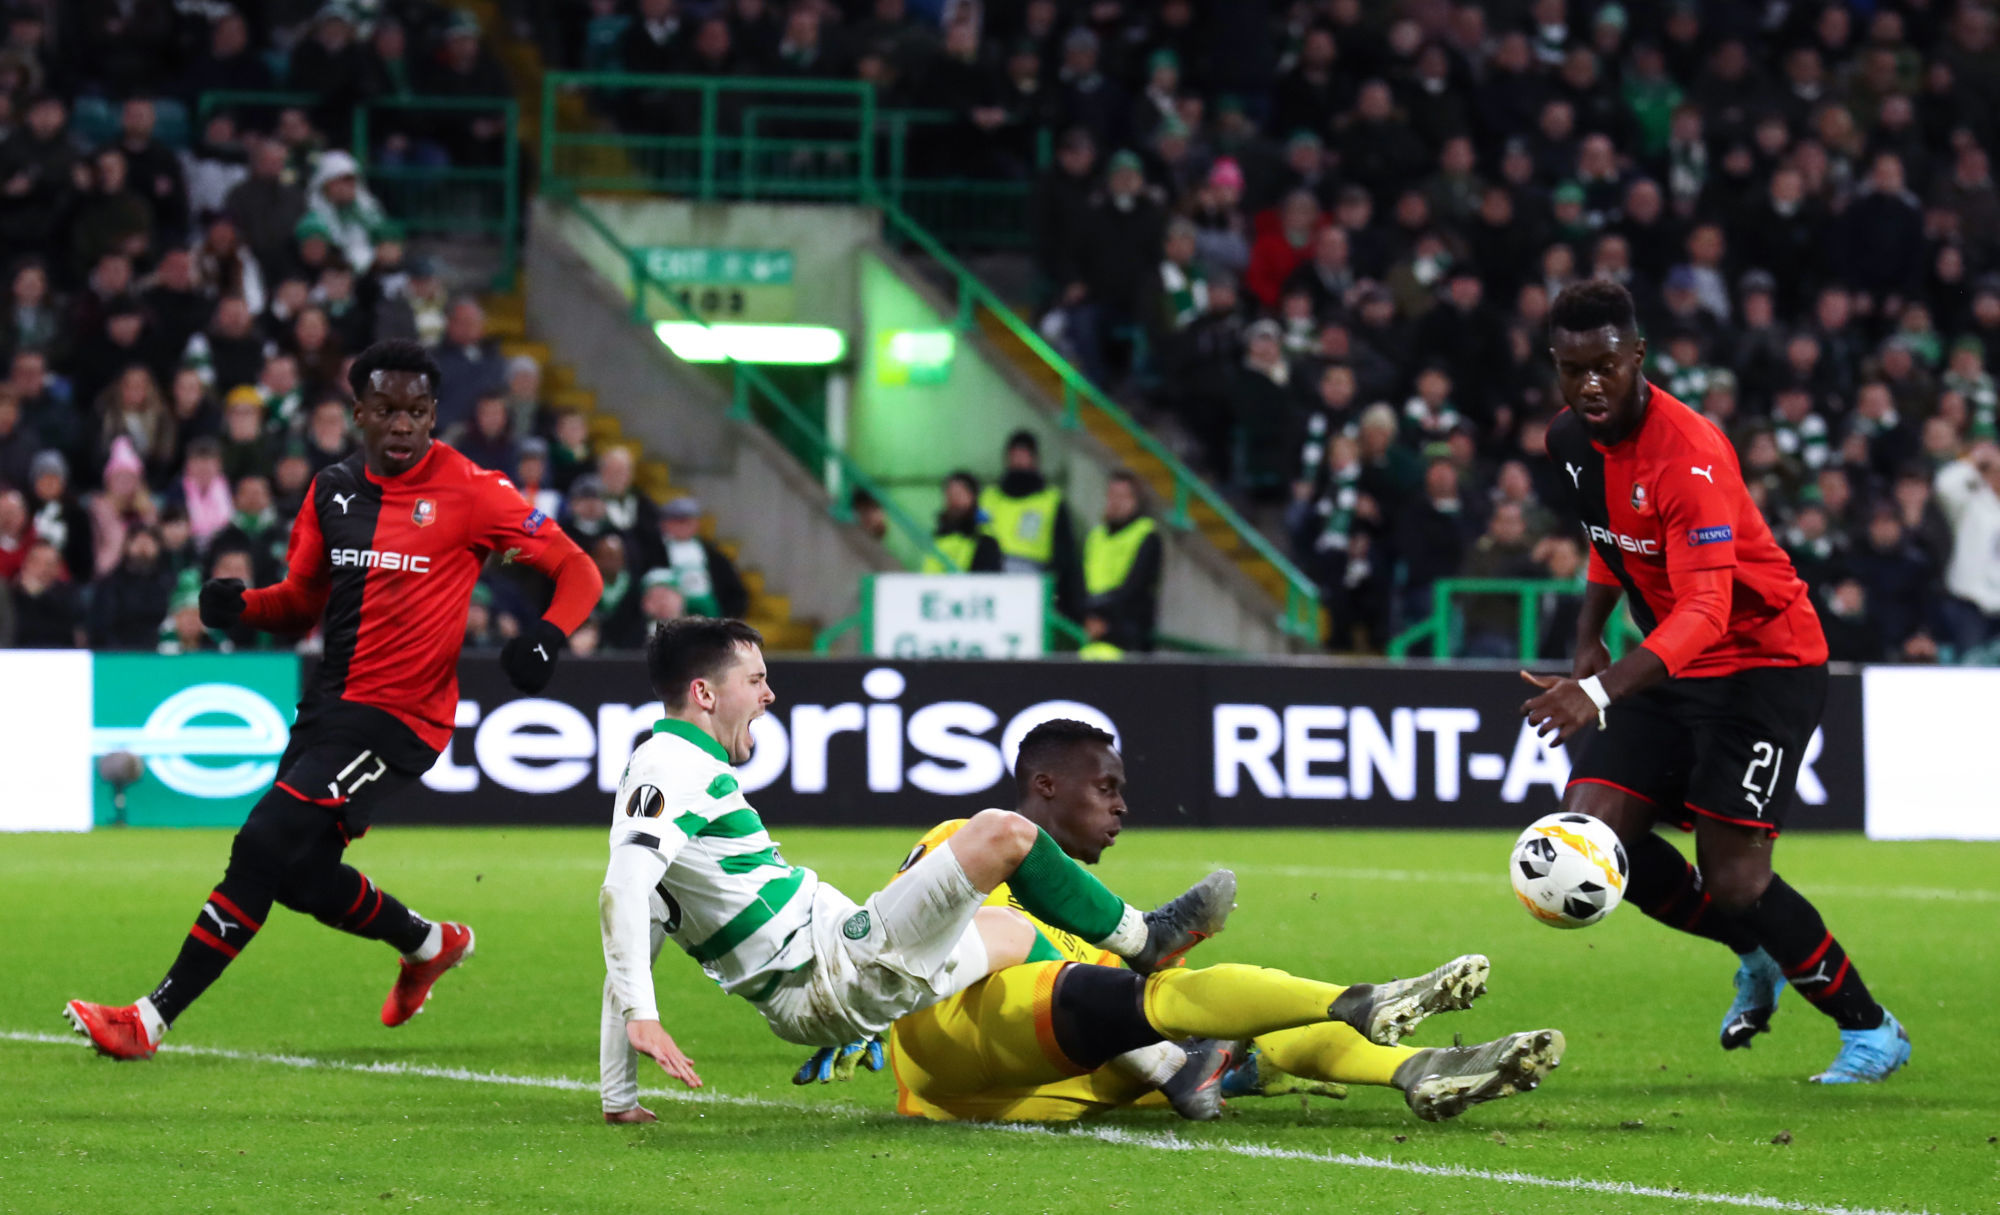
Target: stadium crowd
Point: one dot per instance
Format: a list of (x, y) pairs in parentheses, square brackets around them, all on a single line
[(181, 305), (1320, 240)]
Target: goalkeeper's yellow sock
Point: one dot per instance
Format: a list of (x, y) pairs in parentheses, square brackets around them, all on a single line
[(1335, 1052), (1234, 1002)]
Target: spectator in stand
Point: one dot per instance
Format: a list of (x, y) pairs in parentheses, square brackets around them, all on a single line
[(230, 353), (268, 204), (246, 445), (353, 219), (203, 493), (131, 409), (37, 178), (175, 302), (660, 602), (629, 511), (470, 362), (60, 520), (328, 63), (531, 471), (18, 444), (129, 602), (327, 441), (32, 319), (48, 614), (121, 507), (1118, 242), (526, 412), (703, 574), (462, 69), (229, 62), (1968, 491), (570, 451), (17, 534), (583, 514), (153, 170), (1432, 537), (488, 440), (226, 266), (961, 533)]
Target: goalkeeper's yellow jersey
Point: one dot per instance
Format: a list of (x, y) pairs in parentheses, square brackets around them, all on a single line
[(989, 1053)]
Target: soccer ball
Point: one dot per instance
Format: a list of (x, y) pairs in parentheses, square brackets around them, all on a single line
[(1569, 870)]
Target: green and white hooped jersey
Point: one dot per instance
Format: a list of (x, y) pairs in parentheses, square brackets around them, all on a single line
[(731, 901)]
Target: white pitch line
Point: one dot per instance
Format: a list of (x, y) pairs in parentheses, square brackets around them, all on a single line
[(1496, 880), (1115, 1136)]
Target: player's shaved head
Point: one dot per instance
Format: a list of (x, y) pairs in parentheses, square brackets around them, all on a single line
[(1070, 782)]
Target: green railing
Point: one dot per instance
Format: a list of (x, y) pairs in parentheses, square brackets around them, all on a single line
[(459, 199), (749, 384), (776, 138), (1440, 628)]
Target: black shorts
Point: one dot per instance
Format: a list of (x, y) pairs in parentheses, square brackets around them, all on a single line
[(1726, 748), (348, 759)]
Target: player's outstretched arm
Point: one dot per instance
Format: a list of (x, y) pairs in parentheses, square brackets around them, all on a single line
[(625, 923)]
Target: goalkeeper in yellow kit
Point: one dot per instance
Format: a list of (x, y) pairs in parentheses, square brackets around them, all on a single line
[(1071, 1032)]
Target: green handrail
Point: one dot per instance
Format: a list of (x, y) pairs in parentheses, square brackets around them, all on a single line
[(1301, 613), (1437, 627), (750, 374)]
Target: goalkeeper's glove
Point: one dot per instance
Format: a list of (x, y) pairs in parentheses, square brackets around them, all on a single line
[(841, 1062)]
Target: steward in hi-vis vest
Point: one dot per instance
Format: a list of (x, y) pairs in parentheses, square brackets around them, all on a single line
[(960, 534), (1121, 571), (1031, 522)]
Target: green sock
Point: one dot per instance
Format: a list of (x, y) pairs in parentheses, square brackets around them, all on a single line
[(1059, 892)]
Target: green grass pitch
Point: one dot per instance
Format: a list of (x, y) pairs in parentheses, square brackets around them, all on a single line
[(1645, 1099)]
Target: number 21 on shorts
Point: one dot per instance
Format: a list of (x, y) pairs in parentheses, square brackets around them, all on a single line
[(1760, 779)]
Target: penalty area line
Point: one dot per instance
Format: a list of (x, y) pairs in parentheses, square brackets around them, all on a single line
[(1156, 1141)]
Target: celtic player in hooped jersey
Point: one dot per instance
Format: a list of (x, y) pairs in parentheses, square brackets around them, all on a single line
[(691, 862)]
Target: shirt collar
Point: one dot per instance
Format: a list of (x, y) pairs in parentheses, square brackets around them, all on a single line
[(689, 732)]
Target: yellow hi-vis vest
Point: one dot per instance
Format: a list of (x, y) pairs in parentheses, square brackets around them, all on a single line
[(1108, 557), (958, 546), (1024, 527)]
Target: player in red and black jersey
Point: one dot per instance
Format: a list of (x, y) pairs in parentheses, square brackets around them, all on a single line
[(1706, 723), (383, 557)]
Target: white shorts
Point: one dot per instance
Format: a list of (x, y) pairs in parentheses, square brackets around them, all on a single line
[(908, 947)]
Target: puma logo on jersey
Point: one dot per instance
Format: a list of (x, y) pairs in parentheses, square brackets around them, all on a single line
[(343, 500), (1708, 472), (1603, 535), (1575, 474)]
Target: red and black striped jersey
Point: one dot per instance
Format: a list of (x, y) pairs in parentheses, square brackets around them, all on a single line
[(1668, 503), (386, 565)]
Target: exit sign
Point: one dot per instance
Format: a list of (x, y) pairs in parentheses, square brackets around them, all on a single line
[(719, 267)]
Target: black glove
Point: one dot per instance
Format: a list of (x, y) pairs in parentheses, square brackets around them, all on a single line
[(222, 603), (530, 658)]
